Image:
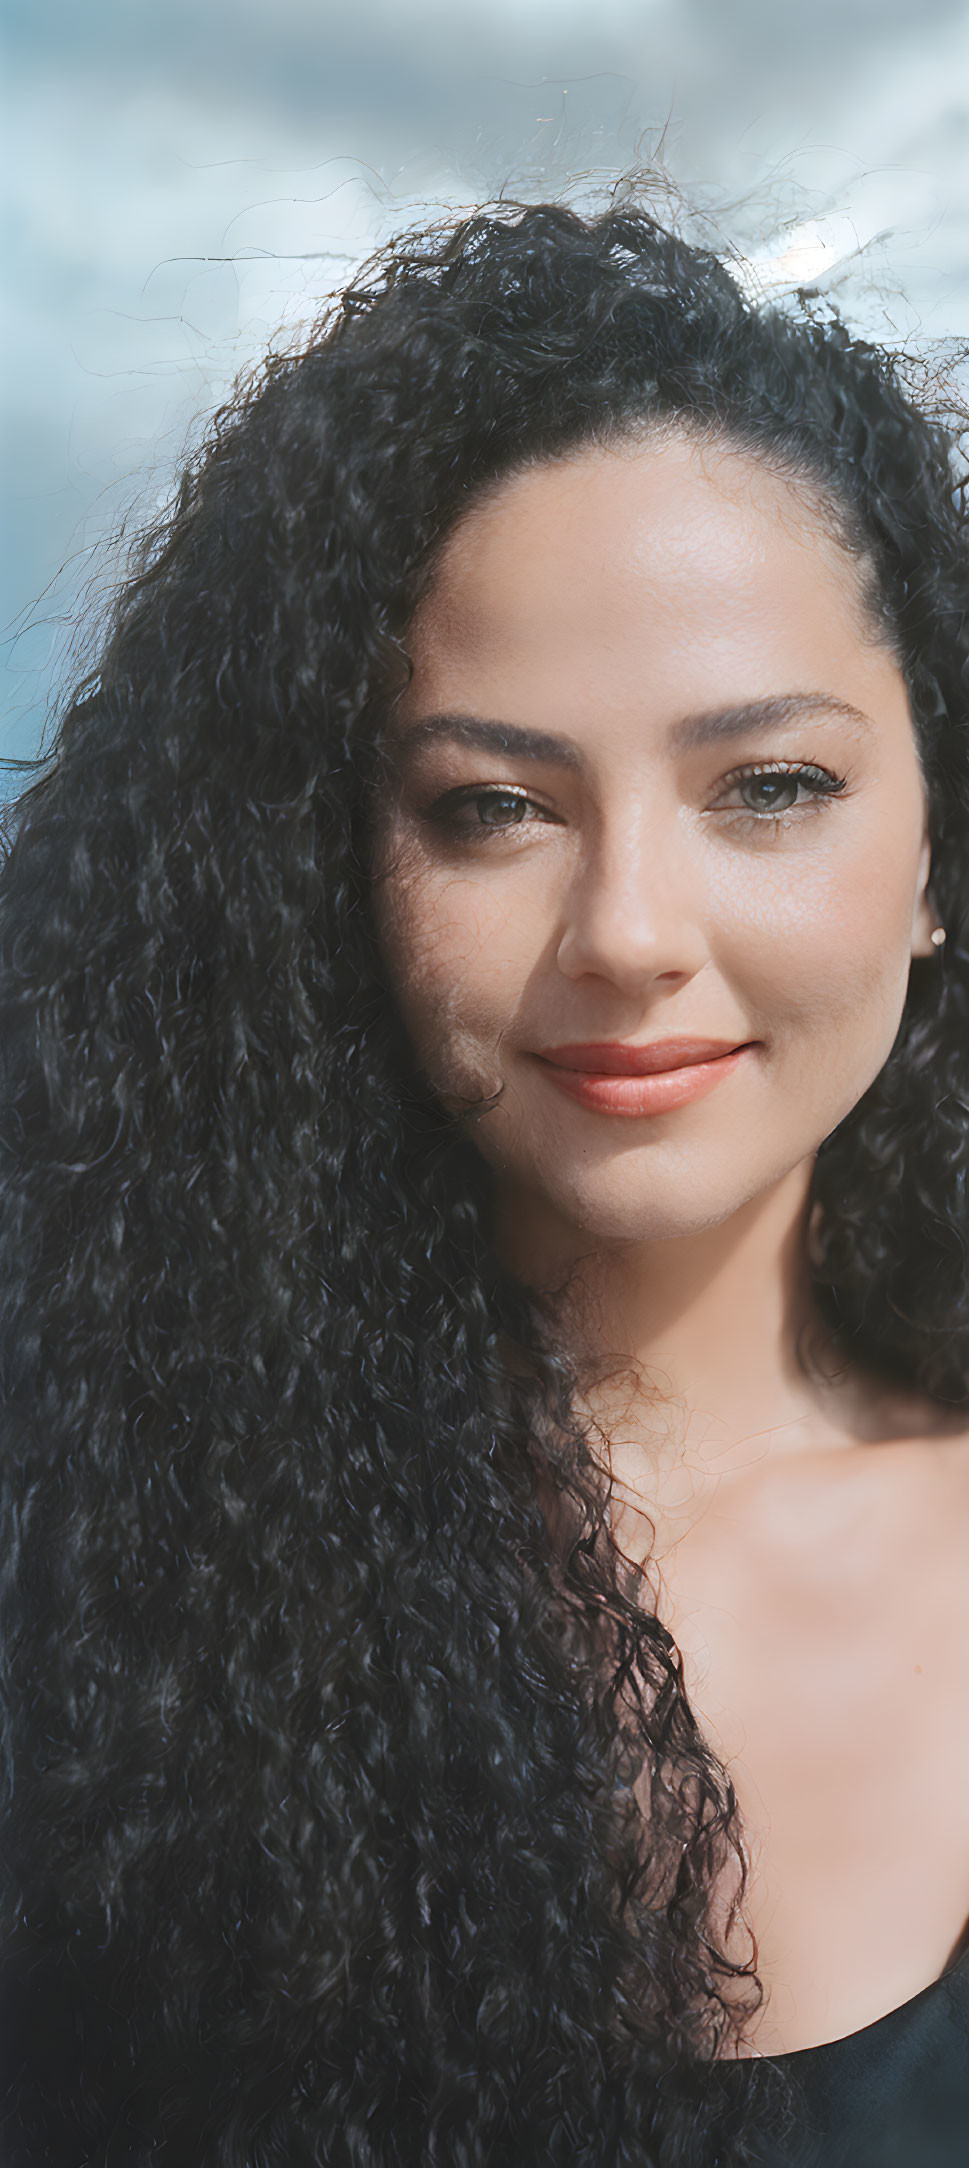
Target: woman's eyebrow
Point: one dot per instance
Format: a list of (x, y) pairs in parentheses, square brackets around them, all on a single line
[(686, 735), (772, 713), (491, 737)]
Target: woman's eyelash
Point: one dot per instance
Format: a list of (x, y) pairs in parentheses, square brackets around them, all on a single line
[(820, 782), (446, 811)]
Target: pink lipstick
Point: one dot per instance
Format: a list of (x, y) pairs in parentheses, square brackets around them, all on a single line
[(624, 1079)]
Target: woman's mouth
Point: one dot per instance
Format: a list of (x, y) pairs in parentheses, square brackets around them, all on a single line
[(610, 1093)]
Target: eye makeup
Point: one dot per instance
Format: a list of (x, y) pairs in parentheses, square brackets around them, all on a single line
[(447, 811)]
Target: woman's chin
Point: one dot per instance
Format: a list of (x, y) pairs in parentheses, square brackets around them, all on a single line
[(614, 1216)]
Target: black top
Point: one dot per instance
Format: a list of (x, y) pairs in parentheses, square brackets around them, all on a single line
[(894, 2095)]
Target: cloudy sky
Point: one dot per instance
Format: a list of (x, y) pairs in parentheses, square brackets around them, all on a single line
[(185, 180)]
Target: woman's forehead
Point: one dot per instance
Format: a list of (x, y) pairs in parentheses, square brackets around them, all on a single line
[(687, 523), (656, 568)]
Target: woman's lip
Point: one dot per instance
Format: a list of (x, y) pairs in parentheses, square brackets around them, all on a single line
[(604, 1058), (643, 1094)]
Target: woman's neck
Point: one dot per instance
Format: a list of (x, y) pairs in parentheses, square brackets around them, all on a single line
[(692, 1346)]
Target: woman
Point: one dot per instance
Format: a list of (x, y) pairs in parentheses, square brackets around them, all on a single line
[(486, 1483)]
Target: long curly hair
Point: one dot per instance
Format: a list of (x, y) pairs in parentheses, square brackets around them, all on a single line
[(355, 1812)]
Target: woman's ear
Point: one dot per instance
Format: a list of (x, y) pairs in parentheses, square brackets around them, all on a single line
[(925, 917)]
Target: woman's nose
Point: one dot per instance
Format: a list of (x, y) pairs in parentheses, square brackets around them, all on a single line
[(631, 909)]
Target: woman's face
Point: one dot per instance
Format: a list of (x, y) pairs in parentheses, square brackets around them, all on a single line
[(658, 620)]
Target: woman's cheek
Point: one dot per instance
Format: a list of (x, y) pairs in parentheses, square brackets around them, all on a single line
[(446, 946), (829, 993)]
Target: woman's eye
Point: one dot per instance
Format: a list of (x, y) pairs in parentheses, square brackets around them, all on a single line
[(772, 787), (489, 808)]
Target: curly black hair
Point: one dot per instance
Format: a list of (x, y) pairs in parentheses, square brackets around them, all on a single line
[(355, 1811)]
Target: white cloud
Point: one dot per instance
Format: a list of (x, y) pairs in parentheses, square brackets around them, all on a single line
[(159, 235)]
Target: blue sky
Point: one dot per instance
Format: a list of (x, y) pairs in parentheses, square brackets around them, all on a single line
[(183, 182)]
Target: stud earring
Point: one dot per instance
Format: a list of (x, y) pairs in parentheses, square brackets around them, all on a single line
[(938, 936)]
